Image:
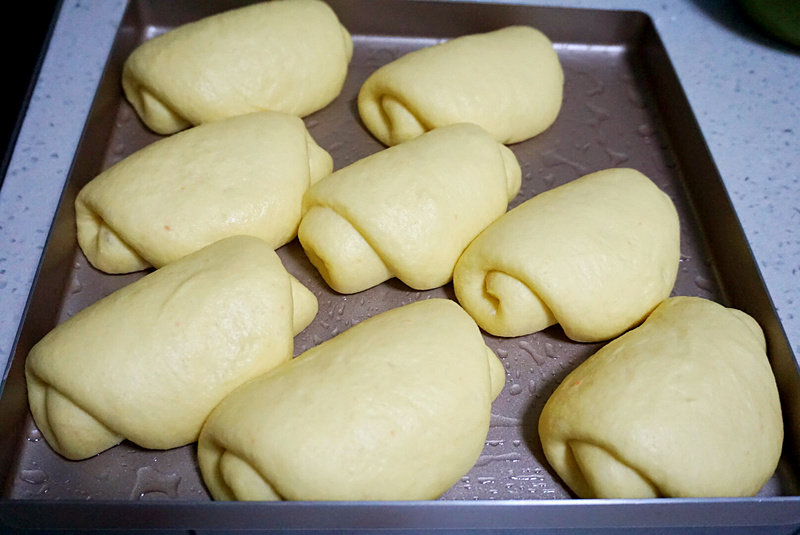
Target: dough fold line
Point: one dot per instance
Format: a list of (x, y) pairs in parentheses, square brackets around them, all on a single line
[(506, 303), (605, 470), (512, 296), (81, 423), (341, 253), (160, 117), (233, 475), (400, 121), (102, 244)]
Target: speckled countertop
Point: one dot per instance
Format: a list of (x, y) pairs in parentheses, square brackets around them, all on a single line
[(743, 87)]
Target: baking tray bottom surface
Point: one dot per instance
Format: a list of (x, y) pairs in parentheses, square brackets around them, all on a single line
[(608, 119)]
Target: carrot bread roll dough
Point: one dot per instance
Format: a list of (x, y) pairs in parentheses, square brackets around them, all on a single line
[(243, 175), (596, 255), (395, 408), (407, 211), (282, 55), (508, 81), (150, 361), (683, 406)]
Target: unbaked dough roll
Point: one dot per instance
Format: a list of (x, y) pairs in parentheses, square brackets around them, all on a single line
[(149, 362), (595, 255), (407, 211), (508, 81), (395, 408), (683, 406), (282, 55), (243, 175)]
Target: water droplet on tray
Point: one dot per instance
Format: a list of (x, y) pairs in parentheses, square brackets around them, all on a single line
[(381, 56), (527, 477), (635, 98), (514, 389), (77, 287), (483, 460), (616, 156), (597, 87), (599, 114), (34, 477), (149, 480), (645, 130), (552, 158), (498, 420), (528, 348), (125, 114), (703, 283), (118, 149)]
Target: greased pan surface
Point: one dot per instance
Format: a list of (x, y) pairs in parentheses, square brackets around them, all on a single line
[(623, 106)]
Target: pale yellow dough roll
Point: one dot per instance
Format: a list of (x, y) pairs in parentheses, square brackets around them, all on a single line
[(683, 406), (243, 175), (281, 55), (150, 361), (509, 81), (595, 255), (395, 408), (407, 211)]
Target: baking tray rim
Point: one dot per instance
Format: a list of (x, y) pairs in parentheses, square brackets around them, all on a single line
[(453, 514)]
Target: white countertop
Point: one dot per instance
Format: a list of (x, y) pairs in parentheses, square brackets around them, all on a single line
[(743, 87)]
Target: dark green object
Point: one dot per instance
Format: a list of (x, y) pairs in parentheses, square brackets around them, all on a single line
[(780, 18)]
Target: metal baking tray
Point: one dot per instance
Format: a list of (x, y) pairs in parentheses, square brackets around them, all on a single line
[(623, 106)]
